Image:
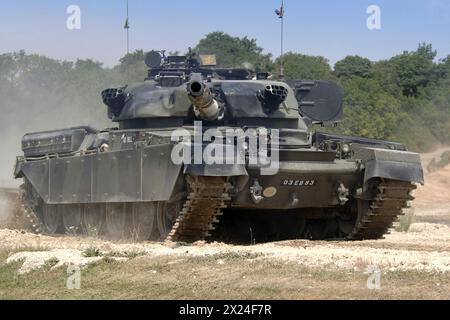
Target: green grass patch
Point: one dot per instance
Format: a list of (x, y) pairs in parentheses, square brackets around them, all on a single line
[(92, 252)]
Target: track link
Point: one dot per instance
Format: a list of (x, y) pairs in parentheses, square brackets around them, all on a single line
[(383, 211), (25, 213), (201, 210)]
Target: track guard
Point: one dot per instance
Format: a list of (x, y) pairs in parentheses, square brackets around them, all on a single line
[(391, 164), (141, 175), (224, 170)]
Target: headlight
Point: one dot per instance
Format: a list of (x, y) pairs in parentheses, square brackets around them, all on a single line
[(346, 148)]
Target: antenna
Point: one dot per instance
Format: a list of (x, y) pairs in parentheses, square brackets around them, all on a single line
[(280, 14), (127, 27)]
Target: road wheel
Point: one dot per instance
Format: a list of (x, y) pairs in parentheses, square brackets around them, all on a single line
[(117, 221), (72, 219), (166, 216), (144, 215), (51, 218), (93, 219), (346, 227)]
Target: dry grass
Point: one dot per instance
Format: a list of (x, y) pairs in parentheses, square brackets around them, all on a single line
[(92, 251), (222, 276)]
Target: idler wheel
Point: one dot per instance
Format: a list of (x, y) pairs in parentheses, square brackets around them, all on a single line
[(72, 219), (144, 215), (51, 218), (117, 220), (166, 216), (93, 219), (348, 219)]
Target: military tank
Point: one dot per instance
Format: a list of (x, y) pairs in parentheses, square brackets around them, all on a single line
[(203, 152)]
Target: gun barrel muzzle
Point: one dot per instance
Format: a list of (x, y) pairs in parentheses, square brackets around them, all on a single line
[(206, 107)]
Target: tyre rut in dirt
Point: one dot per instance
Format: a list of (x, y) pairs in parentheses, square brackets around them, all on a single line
[(376, 217), (201, 210)]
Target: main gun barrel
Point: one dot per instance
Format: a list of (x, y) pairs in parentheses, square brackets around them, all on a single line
[(205, 106)]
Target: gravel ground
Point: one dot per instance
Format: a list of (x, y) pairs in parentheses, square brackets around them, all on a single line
[(432, 254), (426, 247)]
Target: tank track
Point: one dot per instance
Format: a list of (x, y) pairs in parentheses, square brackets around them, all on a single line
[(201, 210), (25, 215), (208, 196), (389, 203)]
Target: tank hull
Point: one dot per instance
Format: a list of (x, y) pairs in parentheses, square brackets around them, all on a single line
[(132, 181), (133, 168)]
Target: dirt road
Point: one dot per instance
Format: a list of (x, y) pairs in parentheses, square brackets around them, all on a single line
[(414, 265)]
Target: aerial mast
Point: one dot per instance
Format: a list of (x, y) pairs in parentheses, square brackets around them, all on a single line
[(280, 14), (127, 27)]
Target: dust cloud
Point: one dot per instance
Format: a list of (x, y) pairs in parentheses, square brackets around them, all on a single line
[(12, 132), (39, 94), (6, 210)]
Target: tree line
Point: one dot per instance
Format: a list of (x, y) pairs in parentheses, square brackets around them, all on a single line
[(405, 98)]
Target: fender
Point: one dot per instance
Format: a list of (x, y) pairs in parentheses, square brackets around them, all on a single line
[(224, 170), (208, 166), (143, 174), (391, 164)]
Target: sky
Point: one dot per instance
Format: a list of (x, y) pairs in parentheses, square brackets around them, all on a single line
[(329, 28)]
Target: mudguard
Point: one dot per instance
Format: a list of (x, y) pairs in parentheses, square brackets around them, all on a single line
[(391, 164), (225, 170), (144, 174), (208, 167)]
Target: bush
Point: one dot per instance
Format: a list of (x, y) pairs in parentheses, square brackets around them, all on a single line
[(92, 252)]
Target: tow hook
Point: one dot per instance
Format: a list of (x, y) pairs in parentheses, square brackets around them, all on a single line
[(256, 192), (294, 200), (343, 193)]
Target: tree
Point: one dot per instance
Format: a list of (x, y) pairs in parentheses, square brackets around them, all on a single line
[(414, 69), (299, 66), (132, 58), (446, 62), (443, 69), (369, 111), (387, 78), (88, 65), (132, 67), (353, 66), (234, 52), (6, 67)]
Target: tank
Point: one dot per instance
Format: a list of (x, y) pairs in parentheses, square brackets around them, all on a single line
[(202, 153)]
